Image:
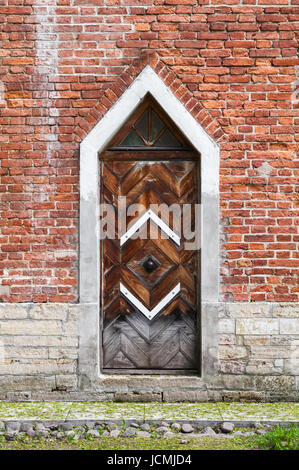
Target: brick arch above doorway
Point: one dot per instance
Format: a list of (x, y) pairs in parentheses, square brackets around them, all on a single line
[(146, 83)]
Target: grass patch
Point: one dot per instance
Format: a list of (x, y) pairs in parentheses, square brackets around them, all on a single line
[(135, 443), (281, 438)]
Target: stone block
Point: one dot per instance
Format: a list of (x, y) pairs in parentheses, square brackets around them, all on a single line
[(278, 362), (214, 395), (160, 383), (185, 396), (232, 352), (21, 383), (226, 325), (291, 366), (40, 341), (38, 367), (289, 326), (226, 339), (71, 327), (13, 312), (48, 312), (252, 395), (73, 312), (19, 396), (230, 396), (63, 353), (232, 367), (286, 310), (25, 353), (238, 382), (30, 327), (255, 309), (262, 367), (256, 340), (275, 383), (138, 397), (282, 340), (249, 326), (272, 352), (66, 382)]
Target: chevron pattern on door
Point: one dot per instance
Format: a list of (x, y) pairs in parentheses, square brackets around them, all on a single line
[(149, 269)]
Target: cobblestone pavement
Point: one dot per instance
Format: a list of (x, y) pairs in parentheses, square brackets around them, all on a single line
[(183, 412)]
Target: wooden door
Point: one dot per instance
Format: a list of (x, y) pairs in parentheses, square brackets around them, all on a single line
[(149, 298)]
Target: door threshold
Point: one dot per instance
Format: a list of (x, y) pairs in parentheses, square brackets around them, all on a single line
[(150, 372)]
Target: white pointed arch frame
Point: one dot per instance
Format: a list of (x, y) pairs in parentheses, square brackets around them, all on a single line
[(96, 141)]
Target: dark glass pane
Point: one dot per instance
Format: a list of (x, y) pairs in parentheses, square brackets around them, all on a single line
[(167, 139), (132, 140), (139, 135), (142, 125), (157, 125)]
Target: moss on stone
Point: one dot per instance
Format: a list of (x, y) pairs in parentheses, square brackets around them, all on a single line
[(135, 443), (149, 411)]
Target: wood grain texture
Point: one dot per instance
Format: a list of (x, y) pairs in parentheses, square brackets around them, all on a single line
[(130, 341)]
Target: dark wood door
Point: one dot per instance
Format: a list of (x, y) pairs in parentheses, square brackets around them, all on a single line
[(149, 301)]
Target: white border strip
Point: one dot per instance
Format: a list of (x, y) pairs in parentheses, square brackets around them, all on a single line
[(149, 215), (150, 314)]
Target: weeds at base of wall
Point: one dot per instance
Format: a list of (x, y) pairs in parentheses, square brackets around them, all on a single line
[(281, 438)]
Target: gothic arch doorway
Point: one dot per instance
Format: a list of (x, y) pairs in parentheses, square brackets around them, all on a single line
[(147, 83)]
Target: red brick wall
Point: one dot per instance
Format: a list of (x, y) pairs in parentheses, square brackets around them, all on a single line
[(65, 61)]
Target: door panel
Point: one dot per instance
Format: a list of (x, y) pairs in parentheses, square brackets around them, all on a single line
[(149, 301)]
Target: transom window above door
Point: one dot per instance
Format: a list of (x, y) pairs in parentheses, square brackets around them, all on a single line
[(149, 128)]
